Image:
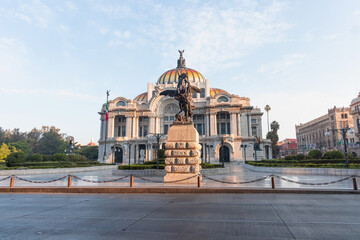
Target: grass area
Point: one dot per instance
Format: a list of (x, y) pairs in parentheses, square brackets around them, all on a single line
[(308, 163), (152, 165)]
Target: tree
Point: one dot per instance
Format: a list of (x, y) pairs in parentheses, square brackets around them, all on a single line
[(315, 154), (267, 109), (51, 142), (23, 146), (15, 158), (274, 137), (4, 151), (91, 152)]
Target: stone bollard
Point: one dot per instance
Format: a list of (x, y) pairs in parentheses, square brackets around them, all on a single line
[(69, 181), (131, 180), (273, 182), (355, 183), (12, 181)]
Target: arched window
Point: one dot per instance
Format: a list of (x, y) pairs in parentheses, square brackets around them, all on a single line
[(223, 99), (120, 104)]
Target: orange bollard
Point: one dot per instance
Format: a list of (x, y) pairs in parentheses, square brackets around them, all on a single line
[(273, 182), (355, 183), (131, 181), (199, 181), (12, 182), (69, 181)]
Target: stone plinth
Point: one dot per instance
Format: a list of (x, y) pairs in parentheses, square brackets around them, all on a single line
[(182, 154)]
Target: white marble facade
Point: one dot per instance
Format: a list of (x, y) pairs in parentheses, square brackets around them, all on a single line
[(218, 115)]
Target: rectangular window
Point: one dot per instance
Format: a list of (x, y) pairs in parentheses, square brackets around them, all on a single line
[(119, 128), (253, 131), (166, 118), (166, 128), (253, 120), (123, 131), (199, 128), (202, 94), (172, 118), (223, 128), (145, 130), (218, 128), (140, 131), (228, 128)]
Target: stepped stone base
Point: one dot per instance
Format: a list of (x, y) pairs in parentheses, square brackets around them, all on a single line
[(182, 154)]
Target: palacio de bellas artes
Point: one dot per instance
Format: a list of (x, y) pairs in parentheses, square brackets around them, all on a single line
[(225, 122)]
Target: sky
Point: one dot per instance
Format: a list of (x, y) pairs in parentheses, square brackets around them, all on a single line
[(58, 58)]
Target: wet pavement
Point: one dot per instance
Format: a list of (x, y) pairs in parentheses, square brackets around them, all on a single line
[(238, 174), (179, 216)]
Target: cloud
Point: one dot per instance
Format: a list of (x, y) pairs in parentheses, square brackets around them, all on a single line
[(282, 66), (120, 38), (330, 36), (60, 93), (70, 5), (11, 45), (309, 37), (31, 12), (217, 33)]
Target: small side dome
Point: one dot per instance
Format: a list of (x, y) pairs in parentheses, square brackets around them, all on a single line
[(141, 97), (216, 91)]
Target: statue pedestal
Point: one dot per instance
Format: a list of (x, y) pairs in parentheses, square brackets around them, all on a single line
[(182, 154)]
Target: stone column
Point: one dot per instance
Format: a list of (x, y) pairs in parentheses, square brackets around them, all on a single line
[(151, 125), (102, 129), (238, 124), (111, 127), (128, 126), (233, 129), (133, 128), (182, 154), (213, 129)]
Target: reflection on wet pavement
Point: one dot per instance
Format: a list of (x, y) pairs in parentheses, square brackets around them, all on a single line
[(238, 174)]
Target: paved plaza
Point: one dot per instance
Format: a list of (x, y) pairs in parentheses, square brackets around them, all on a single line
[(179, 216)]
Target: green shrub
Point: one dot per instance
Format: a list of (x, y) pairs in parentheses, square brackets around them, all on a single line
[(59, 157), (46, 158), (334, 155), (300, 157), (78, 158), (161, 153), (14, 158), (35, 158), (290, 157), (315, 154)]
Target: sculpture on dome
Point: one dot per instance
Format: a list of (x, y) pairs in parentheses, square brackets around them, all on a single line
[(183, 94)]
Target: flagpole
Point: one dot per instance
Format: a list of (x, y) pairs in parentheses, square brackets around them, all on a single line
[(106, 121)]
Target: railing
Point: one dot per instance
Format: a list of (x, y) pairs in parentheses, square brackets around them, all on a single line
[(199, 180)]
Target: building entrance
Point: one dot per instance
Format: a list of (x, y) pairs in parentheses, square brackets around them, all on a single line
[(118, 155), (226, 153)]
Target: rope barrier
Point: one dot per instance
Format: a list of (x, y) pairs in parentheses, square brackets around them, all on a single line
[(180, 180), (3, 179), (103, 181), (46, 181), (175, 181), (227, 182), (314, 184)]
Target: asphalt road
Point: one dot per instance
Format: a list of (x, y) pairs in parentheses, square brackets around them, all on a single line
[(179, 216)]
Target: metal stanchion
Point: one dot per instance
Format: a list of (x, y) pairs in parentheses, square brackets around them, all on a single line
[(355, 183), (69, 181), (131, 180), (273, 182), (12, 181), (199, 181)]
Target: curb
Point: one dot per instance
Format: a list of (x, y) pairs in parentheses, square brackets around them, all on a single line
[(166, 190)]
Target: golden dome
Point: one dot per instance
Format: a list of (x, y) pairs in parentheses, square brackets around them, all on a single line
[(172, 75), (215, 91), (141, 97)]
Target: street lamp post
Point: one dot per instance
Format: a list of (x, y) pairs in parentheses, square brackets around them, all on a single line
[(289, 153), (244, 146), (158, 137), (106, 123), (343, 132), (303, 139), (129, 147)]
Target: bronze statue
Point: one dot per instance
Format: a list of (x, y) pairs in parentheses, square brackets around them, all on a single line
[(183, 94)]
